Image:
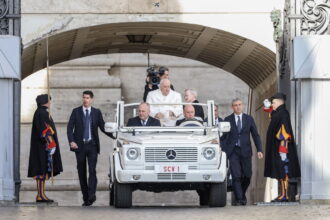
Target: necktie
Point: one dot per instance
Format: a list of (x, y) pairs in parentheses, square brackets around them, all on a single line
[(86, 125), (239, 128), (144, 123), (239, 124)]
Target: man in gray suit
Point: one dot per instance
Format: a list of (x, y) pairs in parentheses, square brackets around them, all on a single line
[(237, 146)]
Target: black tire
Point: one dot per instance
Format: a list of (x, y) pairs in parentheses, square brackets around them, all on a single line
[(111, 196), (218, 194), (111, 187), (203, 197), (122, 195)]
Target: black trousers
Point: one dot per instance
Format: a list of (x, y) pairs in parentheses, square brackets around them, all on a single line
[(87, 154), (241, 172)]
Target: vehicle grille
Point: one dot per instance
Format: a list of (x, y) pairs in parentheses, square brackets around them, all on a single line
[(183, 154), (171, 176), (150, 168), (192, 167)]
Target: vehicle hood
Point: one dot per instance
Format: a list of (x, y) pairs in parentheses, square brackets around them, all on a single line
[(152, 138)]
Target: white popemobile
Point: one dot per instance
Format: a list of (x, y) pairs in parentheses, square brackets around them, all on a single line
[(157, 159)]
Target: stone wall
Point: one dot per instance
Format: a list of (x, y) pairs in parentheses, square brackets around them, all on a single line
[(248, 19)]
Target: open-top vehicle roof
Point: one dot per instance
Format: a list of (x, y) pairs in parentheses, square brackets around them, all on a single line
[(205, 128)]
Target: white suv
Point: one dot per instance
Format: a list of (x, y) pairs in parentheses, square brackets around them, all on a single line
[(157, 159)]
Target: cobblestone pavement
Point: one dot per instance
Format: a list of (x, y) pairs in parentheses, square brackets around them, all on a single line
[(312, 212)]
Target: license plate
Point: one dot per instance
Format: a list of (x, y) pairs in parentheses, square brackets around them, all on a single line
[(171, 169)]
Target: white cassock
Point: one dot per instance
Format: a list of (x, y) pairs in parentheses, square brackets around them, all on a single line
[(156, 97)]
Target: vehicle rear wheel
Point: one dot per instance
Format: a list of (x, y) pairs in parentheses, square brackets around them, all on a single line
[(122, 195), (111, 185), (218, 194), (203, 197)]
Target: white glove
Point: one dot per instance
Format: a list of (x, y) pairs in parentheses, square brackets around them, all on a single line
[(52, 151), (267, 103), (283, 156)]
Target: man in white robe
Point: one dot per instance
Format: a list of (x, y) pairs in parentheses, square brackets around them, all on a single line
[(167, 114)]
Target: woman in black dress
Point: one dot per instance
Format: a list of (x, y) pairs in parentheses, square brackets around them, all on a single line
[(190, 95)]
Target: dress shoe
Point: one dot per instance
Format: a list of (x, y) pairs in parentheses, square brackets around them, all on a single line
[(44, 201), (243, 202), (86, 203), (280, 200), (236, 203), (92, 199)]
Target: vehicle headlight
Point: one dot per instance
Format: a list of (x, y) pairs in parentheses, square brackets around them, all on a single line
[(209, 153), (132, 153)]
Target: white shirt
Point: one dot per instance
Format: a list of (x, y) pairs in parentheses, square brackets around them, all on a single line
[(241, 117), (145, 122), (156, 97), (89, 112)]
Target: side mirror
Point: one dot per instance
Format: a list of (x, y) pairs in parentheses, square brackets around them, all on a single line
[(111, 127), (224, 126)]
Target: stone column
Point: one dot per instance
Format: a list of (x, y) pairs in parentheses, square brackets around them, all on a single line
[(6, 141), (312, 71), (9, 72)]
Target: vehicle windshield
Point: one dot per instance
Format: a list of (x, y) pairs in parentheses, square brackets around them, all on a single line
[(165, 116)]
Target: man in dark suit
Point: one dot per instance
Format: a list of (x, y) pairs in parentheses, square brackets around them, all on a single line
[(84, 141), (189, 115), (144, 119), (237, 146), (216, 115)]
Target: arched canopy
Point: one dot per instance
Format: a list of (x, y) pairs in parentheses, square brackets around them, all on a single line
[(244, 58)]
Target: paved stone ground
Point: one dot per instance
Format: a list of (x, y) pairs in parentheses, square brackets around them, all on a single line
[(167, 212), (168, 206), (155, 206), (74, 198)]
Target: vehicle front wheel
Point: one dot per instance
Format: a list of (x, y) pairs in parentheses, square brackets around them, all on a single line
[(122, 195), (203, 197), (218, 194)]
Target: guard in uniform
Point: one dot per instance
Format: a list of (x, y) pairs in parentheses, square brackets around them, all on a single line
[(281, 161), (45, 159)]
